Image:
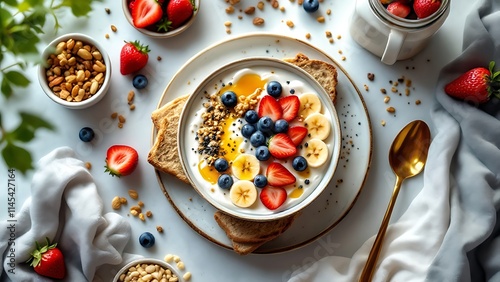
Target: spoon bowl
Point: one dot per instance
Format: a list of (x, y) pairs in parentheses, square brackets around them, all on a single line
[(407, 158)]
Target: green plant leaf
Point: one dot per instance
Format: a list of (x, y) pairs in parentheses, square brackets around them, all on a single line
[(22, 133), (6, 88), (25, 42), (34, 121), (17, 157), (17, 78), (12, 3), (5, 17), (79, 8)]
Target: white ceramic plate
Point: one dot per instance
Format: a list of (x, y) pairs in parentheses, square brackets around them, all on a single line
[(355, 156), (189, 123)]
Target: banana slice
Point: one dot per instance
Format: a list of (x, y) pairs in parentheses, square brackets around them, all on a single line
[(309, 104), (243, 193), (318, 126), (245, 167), (316, 152)]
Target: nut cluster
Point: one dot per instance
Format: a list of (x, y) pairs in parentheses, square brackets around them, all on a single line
[(148, 272), (76, 70)]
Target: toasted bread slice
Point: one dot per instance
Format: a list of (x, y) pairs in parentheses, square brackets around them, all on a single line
[(323, 72), (164, 155)]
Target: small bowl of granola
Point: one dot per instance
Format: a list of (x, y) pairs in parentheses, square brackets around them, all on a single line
[(161, 19), (147, 269), (75, 71)]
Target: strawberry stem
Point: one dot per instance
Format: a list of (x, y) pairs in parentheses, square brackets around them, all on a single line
[(493, 81), (36, 255)]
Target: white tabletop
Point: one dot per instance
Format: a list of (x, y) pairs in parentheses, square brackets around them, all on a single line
[(205, 260)]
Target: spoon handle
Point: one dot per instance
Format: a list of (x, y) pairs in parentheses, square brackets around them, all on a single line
[(371, 262)]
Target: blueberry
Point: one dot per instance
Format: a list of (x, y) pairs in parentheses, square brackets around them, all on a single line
[(225, 181), (140, 81), (229, 99), (310, 6), (257, 139), (265, 124), (260, 181), (86, 134), (247, 130), (281, 126), (299, 163), (274, 88), (251, 116), (147, 240), (262, 153), (221, 164)]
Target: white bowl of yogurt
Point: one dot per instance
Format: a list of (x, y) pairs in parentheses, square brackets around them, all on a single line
[(259, 139)]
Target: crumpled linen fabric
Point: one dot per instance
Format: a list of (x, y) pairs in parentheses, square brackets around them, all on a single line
[(451, 230), (66, 208)]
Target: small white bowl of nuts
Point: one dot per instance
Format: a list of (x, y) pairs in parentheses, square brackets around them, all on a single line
[(148, 269), (75, 71)]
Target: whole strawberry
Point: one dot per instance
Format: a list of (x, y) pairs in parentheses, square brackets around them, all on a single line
[(476, 85), (48, 261), (425, 8), (178, 12), (133, 57)]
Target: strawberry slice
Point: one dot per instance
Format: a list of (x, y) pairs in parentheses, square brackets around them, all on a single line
[(273, 197), (269, 107), (146, 13), (278, 176), (281, 146), (121, 160), (290, 106), (297, 134), (399, 9)]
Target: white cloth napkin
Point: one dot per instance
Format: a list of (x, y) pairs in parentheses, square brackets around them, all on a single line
[(450, 231), (65, 207)]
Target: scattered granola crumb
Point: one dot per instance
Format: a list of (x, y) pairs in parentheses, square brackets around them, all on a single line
[(275, 4), (106, 36), (289, 23), (320, 19), (407, 91), (250, 10), (366, 88), (108, 10), (371, 76), (121, 119), (120, 125), (387, 99), (258, 21), (343, 58), (282, 9), (113, 28), (418, 102), (328, 12), (383, 91), (330, 40), (230, 10), (88, 165), (158, 58), (391, 110), (382, 122), (339, 36), (149, 214), (260, 5), (159, 229), (328, 34), (227, 24), (308, 35), (130, 97), (114, 115), (132, 107)]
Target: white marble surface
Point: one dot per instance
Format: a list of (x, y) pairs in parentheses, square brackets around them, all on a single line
[(205, 260)]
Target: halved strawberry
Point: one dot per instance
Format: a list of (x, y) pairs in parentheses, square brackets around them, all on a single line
[(281, 146), (297, 134), (273, 197), (399, 9), (146, 13), (278, 176), (269, 107), (290, 106), (121, 160)]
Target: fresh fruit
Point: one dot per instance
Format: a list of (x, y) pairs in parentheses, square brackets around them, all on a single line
[(299, 163), (266, 125), (247, 130), (274, 88), (140, 81), (476, 85), (86, 134), (318, 126), (251, 117), (278, 176), (310, 6), (147, 240), (281, 146), (425, 8), (221, 164), (260, 181), (243, 193), (229, 99), (269, 107), (121, 160), (315, 152), (281, 126), (245, 167), (133, 57), (257, 139), (297, 134), (145, 13), (48, 261), (178, 12), (225, 181), (290, 106), (399, 9), (309, 104), (273, 197), (262, 153)]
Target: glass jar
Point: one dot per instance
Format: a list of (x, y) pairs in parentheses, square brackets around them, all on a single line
[(390, 37)]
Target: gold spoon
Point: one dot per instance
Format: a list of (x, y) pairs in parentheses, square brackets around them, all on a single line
[(407, 157)]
